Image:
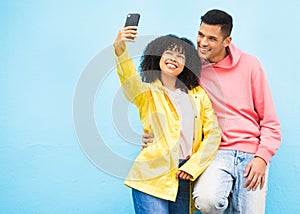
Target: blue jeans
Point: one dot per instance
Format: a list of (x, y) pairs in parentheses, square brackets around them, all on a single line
[(220, 189), (148, 204)]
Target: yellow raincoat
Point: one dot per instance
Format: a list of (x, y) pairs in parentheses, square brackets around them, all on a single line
[(154, 170)]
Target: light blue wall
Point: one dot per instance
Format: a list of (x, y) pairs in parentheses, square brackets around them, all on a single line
[(44, 48)]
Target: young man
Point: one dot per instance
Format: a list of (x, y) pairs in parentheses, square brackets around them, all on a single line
[(236, 180)]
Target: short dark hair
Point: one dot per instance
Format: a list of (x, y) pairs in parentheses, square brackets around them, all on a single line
[(219, 17), (149, 67)]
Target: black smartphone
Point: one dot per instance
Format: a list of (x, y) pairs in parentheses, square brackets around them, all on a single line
[(132, 20)]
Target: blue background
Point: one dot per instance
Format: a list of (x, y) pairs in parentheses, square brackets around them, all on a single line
[(44, 48)]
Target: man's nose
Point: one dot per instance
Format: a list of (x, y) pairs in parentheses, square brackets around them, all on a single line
[(203, 41)]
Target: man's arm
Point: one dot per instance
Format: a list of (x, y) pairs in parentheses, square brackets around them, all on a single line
[(270, 137)]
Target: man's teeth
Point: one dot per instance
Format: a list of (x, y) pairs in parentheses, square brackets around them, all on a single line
[(204, 49)]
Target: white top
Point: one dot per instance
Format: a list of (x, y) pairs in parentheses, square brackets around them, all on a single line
[(185, 111)]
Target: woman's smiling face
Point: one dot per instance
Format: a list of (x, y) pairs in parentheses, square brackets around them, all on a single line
[(172, 62)]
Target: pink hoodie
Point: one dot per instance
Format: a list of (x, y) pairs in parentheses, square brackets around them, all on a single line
[(243, 103)]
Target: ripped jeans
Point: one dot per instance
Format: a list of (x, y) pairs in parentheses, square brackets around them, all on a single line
[(220, 189)]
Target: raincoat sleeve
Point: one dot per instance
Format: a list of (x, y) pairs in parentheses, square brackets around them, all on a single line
[(130, 80)]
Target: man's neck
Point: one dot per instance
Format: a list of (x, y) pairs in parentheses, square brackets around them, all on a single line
[(221, 56)]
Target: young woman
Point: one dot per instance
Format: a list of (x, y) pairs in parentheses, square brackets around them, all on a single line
[(177, 111)]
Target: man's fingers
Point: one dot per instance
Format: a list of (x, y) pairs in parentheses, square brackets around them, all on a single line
[(247, 182), (254, 182), (258, 181), (247, 170), (145, 135), (255, 173), (262, 183), (147, 138)]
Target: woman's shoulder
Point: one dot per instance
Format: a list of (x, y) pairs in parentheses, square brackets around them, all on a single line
[(197, 90), (200, 92)]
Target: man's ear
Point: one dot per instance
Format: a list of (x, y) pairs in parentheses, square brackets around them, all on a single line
[(227, 41)]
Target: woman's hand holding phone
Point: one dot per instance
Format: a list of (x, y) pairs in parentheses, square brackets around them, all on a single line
[(126, 34)]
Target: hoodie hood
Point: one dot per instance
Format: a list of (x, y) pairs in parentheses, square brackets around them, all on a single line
[(234, 55)]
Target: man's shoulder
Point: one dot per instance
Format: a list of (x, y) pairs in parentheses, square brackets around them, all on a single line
[(244, 55)]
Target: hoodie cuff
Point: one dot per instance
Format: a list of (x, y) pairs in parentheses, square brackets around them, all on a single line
[(264, 154)]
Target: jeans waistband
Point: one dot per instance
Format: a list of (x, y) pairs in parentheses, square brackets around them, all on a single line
[(182, 161)]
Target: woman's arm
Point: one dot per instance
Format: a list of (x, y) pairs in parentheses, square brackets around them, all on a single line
[(131, 82), (126, 34)]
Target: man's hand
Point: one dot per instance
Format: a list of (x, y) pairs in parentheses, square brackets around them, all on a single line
[(146, 138), (255, 172), (183, 175)]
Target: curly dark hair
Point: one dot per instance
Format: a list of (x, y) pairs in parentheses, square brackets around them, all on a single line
[(149, 66)]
